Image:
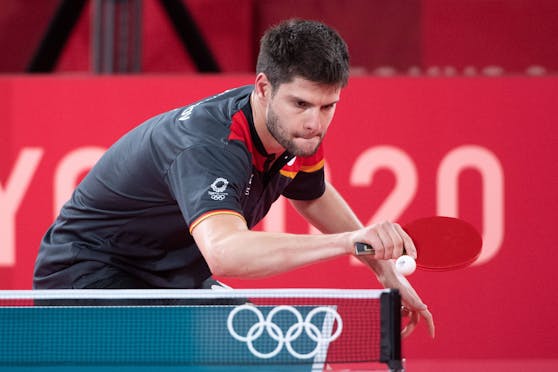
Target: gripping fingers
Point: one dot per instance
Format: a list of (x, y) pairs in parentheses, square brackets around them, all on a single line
[(396, 239), (393, 239), (408, 244), (384, 241)]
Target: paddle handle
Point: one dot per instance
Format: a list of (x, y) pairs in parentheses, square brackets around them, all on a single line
[(362, 249)]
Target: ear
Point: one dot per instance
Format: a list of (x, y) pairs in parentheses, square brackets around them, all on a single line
[(262, 87)]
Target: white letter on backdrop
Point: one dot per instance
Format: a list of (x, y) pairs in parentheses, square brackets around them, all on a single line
[(11, 196)]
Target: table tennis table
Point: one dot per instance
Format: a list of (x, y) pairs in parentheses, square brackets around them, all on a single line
[(306, 330)]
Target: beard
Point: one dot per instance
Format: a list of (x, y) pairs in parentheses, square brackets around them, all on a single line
[(287, 141)]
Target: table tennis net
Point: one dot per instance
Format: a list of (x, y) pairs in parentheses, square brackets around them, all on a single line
[(198, 327)]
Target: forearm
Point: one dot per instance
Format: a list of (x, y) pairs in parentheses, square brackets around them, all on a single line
[(234, 251), (230, 249)]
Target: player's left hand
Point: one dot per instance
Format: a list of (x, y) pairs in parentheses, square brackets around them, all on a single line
[(413, 307)]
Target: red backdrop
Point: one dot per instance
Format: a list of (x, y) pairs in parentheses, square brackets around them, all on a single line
[(431, 37), (481, 149)]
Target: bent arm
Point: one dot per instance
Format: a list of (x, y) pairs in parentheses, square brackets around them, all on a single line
[(230, 249)]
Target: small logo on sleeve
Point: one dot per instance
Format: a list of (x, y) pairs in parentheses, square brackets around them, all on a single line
[(247, 191), (218, 188)]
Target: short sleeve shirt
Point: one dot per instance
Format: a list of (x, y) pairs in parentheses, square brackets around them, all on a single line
[(136, 208)]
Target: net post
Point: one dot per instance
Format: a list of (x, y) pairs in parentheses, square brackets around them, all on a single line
[(390, 330)]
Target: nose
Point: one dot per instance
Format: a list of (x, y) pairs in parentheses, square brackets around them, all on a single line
[(313, 121)]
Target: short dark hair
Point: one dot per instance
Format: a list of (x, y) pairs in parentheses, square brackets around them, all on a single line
[(303, 48)]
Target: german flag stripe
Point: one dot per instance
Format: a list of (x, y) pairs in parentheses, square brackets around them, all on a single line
[(213, 213), (312, 168), (288, 173)]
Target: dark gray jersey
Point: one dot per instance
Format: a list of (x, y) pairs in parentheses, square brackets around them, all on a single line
[(136, 207)]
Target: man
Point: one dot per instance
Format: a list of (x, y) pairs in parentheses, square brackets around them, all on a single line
[(172, 202)]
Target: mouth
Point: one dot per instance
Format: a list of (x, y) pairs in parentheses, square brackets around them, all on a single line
[(309, 136), (311, 141)]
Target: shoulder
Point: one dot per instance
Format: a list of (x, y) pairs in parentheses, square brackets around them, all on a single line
[(220, 107), (205, 124), (311, 163)]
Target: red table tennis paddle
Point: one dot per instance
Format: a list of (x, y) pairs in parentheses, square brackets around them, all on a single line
[(443, 243)]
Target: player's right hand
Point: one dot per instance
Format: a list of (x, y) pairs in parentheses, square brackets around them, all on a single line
[(388, 240)]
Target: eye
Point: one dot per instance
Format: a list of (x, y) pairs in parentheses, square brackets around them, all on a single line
[(301, 104)]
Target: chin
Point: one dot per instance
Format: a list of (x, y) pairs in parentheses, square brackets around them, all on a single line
[(305, 151), (304, 147)]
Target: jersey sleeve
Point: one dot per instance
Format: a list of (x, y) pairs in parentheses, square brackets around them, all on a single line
[(206, 181), (309, 182)]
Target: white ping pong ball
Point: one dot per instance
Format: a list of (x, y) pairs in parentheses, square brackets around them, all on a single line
[(405, 265)]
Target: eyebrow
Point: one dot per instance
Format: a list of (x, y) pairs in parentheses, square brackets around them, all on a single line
[(296, 98)]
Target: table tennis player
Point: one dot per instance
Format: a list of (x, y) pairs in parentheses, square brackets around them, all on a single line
[(172, 202)]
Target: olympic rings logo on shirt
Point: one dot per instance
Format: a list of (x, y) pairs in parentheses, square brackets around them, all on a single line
[(219, 186), (292, 333)]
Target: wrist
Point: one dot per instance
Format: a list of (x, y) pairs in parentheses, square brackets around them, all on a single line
[(384, 270)]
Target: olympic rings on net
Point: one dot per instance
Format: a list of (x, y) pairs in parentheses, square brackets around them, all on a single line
[(293, 332)]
